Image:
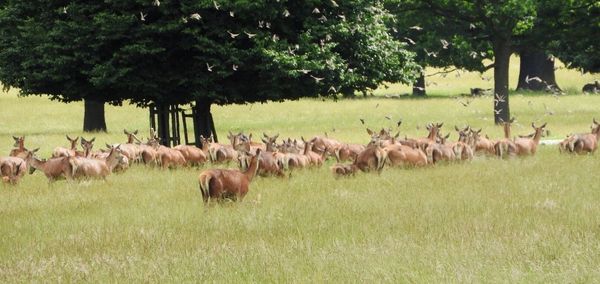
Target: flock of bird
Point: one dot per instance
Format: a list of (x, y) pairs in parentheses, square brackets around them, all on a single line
[(270, 158)]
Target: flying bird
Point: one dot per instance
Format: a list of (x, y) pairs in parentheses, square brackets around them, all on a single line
[(399, 123), (232, 34), (536, 79), (216, 5), (143, 17), (334, 4), (286, 13), (316, 11), (388, 117), (156, 3), (362, 121), (195, 16), (231, 14), (410, 41), (249, 34), (64, 10), (209, 67), (317, 79), (445, 43), (234, 67), (416, 28)]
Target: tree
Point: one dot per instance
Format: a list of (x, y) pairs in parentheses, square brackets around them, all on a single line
[(208, 52), (436, 43), (493, 22)]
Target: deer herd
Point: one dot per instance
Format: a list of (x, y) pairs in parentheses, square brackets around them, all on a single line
[(271, 158)]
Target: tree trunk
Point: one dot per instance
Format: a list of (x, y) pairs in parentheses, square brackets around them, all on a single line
[(203, 121), (536, 64), (502, 53), (419, 87), (93, 116)]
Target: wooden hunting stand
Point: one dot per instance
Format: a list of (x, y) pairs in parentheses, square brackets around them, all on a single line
[(167, 121)]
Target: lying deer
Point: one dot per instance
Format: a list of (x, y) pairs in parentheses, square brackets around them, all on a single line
[(585, 143), (221, 184), (528, 146), (192, 154), (347, 152), (343, 169), (320, 143), (67, 152), (372, 158), (399, 154), (20, 144)]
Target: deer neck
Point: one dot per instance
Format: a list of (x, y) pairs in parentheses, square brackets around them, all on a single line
[(433, 133), (252, 169), (73, 145), (112, 160), (507, 131), (36, 163), (537, 136), (307, 146)]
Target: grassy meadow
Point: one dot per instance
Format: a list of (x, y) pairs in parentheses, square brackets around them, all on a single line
[(533, 219)]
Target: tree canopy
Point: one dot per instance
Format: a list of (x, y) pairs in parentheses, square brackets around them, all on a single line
[(178, 51)]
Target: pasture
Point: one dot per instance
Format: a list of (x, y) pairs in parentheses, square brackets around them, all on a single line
[(534, 219)]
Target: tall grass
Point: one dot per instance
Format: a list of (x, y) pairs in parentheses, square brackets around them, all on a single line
[(534, 219)]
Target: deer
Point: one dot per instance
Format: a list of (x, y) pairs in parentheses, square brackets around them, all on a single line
[(463, 148), (12, 169), (122, 164), (95, 168), (267, 166), (372, 158), (320, 143), (53, 168), (219, 153), (434, 129), (505, 147), (165, 156), (584, 143), (131, 149), (292, 158), (222, 184), (591, 88), (482, 144), (343, 169), (528, 146), (192, 154), (66, 152), (440, 151), (314, 158), (347, 152), (271, 147), (398, 154), (20, 144)]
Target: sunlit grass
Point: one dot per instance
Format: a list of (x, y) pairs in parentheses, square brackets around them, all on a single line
[(534, 219)]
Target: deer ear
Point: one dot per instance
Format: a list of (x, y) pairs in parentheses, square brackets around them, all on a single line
[(16, 138), (439, 125), (93, 139), (533, 125), (543, 125), (250, 136), (275, 137), (595, 122), (135, 132), (369, 131), (456, 128), (125, 132)]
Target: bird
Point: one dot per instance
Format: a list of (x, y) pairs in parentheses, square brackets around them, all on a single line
[(184, 20), (304, 71), (234, 67), (334, 4), (317, 79), (209, 67), (231, 14), (216, 5), (497, 111), (156, 3), (433, 53), (499, 99), (362, 121), (261, 24), (342, 17), (419, 88), (486, 78), (410, 41), (416, 28), (332, 89), (322, 19), (64, 10), (195, 16), (286, 13), (316, 11), (143, 16), (275, 37), (249, 34), (536, 79), (472, 26), (232, 34), (388, 117), (445, 43), (465, 104), (399, 123), (473, 54)]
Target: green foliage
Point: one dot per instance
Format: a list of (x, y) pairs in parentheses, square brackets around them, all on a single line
[(181, 51)]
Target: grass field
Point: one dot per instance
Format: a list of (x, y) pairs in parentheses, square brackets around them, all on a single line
[(525, 220)]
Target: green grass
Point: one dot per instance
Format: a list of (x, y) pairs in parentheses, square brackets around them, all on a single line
[(535, 219)]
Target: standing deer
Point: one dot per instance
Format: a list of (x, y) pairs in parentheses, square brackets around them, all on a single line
[(221, 184), (373, 157), (528, 146), (505, 147), (95, 168), (53, 168), (483, 144)]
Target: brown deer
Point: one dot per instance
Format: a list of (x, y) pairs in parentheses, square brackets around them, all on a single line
[(67, 152), (268, 165), (20, 144), (343, 169), (585, 143), (347, 152), (399, 154), (95, 168), (53, 168), (528, 146), (131, 149), (372, 158), (122, 164), (221, 184), (192, 154), (314, 158), (505, 147), (320, 143), (434, 129), (482, 144), (437, 152), (12, 169)]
